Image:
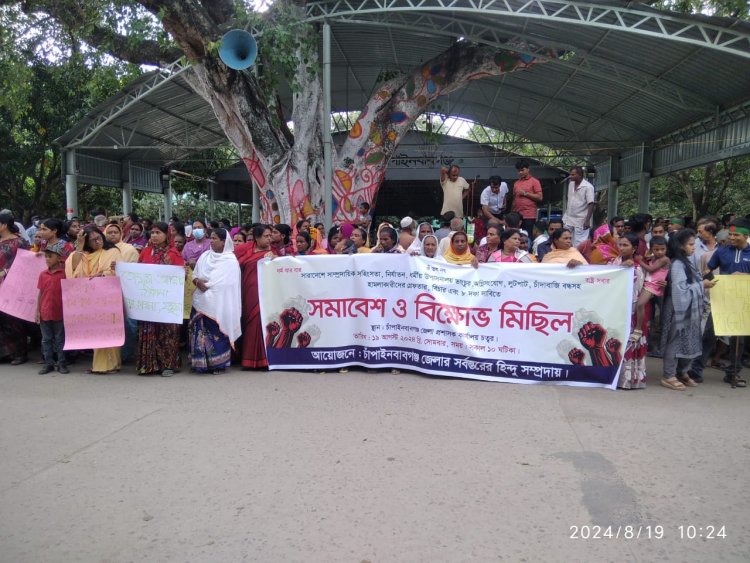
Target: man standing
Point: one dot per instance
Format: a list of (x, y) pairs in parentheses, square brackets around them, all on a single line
[(581, 205), (455, 190), (734, 259), (527, 193), (492, 199)]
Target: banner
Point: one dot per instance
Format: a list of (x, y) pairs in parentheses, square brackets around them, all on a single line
[(18, 292), (92, 313), (730, 305), (153, 292), (520, 323)]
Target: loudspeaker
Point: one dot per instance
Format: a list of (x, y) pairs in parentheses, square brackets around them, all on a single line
[(238, 49)]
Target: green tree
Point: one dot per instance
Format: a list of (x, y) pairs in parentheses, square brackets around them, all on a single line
[(287, 167), (42, 94)]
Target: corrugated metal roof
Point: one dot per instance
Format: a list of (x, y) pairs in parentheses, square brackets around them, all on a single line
[(616, 88)]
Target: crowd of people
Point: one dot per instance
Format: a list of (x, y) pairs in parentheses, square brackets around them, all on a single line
[(673, 268)]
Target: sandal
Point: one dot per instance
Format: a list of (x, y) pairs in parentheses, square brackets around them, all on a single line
[(167, 373), (18, 361), (735, 381), (687, 381), (672, 383)]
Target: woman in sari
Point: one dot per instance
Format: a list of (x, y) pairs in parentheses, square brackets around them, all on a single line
[(72, 229), (423, 229), (562, 251), (430, 247), (304, 243), (281, 240), (682, 313), (509, 251), (136, 237), (490, 247), (50, 230), (128, 252), (95, 256), (12, 330), (604, 247), (239, 238), (633, 371), (215, 320), (458, 252), (334, 237), (159, 343), (253, 346)]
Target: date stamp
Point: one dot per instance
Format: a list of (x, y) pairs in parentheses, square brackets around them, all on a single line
[(647, 532), (625, 531)]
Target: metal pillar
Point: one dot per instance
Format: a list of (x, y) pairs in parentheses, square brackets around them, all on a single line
[(127, 199), (71, 184), (327, 139), (168, 200), (211, 205), (612, 193), (644, 192)]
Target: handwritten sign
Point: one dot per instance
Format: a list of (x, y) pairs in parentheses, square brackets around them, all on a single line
[(92, 313), (730, 305), (189, 290), (18, 293), (153, 292)]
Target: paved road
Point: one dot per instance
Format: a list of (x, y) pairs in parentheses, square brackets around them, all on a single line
[(287, 466)]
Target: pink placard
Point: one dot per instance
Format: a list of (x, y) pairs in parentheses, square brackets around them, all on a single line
[(93, 313), (18, 293)]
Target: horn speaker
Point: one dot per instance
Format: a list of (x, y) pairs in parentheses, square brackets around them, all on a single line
[(238, 49)]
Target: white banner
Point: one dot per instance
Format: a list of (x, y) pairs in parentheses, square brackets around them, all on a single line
[(152, 292), (519, 323)]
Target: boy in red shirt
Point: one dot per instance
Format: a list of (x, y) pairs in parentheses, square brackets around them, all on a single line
[(49, 313)]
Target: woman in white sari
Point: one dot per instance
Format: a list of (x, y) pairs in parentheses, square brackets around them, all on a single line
[(215, 320), (415, 248)]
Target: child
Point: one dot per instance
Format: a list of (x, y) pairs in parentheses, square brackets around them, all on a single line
[(656, 265), (633, 371), (49, 310)]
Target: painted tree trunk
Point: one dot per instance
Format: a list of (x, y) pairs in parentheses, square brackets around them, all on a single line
[(291, 178)]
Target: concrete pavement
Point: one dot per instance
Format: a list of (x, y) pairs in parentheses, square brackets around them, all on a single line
[(289, 466)]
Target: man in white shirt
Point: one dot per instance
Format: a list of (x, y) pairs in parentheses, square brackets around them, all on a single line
[(581, 205), (492, 199), (455, 190)]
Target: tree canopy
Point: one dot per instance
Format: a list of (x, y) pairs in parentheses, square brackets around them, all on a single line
[(287, 168)]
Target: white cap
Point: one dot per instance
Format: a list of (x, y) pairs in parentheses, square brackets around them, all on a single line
[(406, 222)]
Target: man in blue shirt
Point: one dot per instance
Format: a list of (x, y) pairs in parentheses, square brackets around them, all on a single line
[(734, 259)]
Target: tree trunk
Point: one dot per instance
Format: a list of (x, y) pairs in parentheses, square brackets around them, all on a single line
[(290, 178)]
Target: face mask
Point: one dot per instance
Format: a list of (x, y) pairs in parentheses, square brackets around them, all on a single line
[(198, 233)]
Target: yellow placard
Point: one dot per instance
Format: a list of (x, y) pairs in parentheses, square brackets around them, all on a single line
[(730, 305), (189, 289)]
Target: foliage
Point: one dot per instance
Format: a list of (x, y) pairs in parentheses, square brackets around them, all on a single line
[(715, 189), (518, 145), (729, 8), (47, 83)]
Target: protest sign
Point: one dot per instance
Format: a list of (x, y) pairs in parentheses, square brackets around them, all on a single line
[(730, 305), (92, 313), (518, 323), (18, 293), (153, 292)]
